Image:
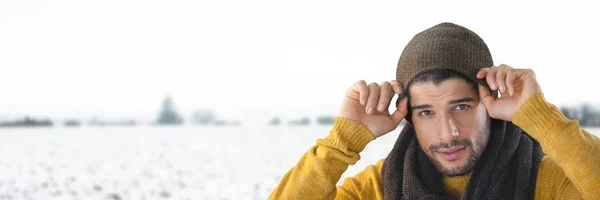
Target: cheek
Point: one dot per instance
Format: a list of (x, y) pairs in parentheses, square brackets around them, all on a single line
[(482, 114), (426, 136), (474, 118), (471, 123)]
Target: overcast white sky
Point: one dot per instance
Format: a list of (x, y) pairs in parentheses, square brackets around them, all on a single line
[(121, 57)]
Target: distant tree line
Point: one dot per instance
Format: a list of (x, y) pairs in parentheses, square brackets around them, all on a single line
[(586, 114), (168, 115), (27, 122)]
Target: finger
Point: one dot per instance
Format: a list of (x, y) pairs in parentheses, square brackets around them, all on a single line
[(510, 81), (401, 110), (500, 78), (482, 72), (373, 98), (485, 97), (491, 78), (399, 89), (385, 96), (397, 86), (363, 91), (531, 72)]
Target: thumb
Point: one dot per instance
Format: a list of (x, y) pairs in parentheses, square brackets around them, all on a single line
[(485, 97), (401, 110)]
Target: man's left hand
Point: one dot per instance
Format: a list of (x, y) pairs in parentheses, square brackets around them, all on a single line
[(515, 86)]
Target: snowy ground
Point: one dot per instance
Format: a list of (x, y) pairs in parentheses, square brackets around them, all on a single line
[(157, 163)]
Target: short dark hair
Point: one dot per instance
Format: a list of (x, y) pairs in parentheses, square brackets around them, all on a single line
[(438, 76)]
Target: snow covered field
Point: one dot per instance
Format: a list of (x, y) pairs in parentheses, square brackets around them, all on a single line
[(158, 162)]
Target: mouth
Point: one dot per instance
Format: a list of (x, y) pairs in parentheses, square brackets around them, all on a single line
[(453, 153)]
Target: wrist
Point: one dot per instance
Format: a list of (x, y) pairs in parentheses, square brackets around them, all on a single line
[(536, 116), (348, 134)]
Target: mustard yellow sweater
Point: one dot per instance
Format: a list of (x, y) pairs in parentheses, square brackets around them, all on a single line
[(569, 170)]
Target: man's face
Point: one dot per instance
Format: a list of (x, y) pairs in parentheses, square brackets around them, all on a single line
[(452, 126)]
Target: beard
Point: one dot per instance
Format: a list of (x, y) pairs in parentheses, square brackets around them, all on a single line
[(473, 148)]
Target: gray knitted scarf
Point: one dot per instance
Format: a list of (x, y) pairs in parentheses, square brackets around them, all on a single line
[(507, 169)]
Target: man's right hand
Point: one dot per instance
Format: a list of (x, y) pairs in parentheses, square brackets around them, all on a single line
[(368, 104)]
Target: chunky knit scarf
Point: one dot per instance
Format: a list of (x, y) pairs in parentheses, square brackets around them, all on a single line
[(507, 169)]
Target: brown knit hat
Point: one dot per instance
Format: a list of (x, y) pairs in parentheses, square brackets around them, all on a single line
[(444, 46)]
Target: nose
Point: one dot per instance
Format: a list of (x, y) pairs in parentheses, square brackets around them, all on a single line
[(449, 130)]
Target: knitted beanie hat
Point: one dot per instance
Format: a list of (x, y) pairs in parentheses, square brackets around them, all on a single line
[(444, 46)]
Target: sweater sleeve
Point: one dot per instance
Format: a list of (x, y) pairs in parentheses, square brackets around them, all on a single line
[(317, 172), (573, 149)]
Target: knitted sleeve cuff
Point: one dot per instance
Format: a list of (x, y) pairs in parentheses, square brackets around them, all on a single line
[(348, 136)]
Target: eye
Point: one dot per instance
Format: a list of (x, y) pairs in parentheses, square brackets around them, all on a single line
[(462, 107), (426, 113)]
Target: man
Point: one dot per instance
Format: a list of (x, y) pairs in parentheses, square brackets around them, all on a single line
[(474, 131)]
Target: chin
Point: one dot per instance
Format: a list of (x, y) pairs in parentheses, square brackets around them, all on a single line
[(458, 167), (454, 166), (455, 171)]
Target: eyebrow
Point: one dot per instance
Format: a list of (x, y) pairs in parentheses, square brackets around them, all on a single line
[(463, 100), (417, 107), (456, 101)]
